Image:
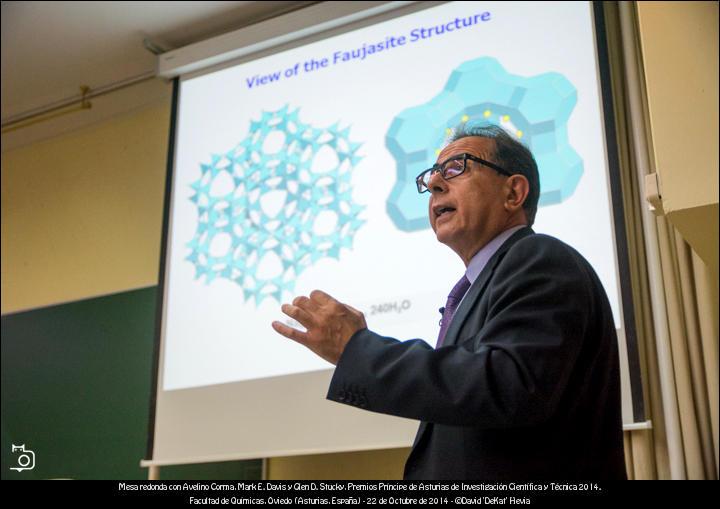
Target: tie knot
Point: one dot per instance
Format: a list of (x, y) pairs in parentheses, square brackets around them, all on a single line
[(456, 294), (459, 289)]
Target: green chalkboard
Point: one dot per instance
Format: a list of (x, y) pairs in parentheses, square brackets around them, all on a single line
[(76, 382)]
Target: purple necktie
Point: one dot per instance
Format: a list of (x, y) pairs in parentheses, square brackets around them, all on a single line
[(456, 295)]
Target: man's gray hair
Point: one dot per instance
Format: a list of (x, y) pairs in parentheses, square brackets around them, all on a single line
[(510, 154)]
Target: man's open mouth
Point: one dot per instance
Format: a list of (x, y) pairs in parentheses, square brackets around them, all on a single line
[(439, 211)]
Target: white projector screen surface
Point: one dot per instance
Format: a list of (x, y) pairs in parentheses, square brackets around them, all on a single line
[(296, 172)]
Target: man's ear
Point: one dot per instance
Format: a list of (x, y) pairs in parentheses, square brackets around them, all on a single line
[(517, 189)]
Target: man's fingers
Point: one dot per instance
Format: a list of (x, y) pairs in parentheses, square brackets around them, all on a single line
[(320, 297), (289, 332), (353, 309), (299, 314), (305, 303)]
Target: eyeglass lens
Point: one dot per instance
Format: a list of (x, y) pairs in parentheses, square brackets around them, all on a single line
[(449, 169)]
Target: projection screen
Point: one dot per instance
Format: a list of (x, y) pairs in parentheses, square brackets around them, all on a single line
[(293, 169)]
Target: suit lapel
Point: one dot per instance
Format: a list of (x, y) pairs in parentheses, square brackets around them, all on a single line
[(476, 290), (463, 311)]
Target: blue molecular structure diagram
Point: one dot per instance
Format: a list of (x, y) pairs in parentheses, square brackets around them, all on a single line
[(533, 109), (274, 205)]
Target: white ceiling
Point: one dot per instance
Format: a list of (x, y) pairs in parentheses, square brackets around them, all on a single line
[(50, 49)]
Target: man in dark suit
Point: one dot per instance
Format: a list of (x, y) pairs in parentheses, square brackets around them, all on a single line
[(524, 382)]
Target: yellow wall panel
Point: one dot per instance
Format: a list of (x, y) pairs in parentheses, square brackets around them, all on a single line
[(378, 465), (680, 55), (82, 212)]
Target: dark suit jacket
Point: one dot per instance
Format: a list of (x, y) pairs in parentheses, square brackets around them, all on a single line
[(526, 384)]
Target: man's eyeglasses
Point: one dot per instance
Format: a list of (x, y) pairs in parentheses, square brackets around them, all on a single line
[(452, 168)]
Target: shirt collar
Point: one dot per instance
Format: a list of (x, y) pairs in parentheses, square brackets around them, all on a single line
[(478, 262)]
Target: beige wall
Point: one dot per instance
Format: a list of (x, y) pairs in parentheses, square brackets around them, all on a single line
[(384, 464), (680, 56), (82, 213)]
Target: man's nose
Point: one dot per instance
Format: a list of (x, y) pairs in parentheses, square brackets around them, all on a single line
[(437, 184)]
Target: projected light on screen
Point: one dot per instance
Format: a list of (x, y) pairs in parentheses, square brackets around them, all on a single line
[(478, 91), (275, 204)]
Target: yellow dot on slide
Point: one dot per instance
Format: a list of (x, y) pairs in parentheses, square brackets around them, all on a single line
[(448, 131), (506, 118), (486, 113), (437, 151), (519, 133), (465, 118)]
